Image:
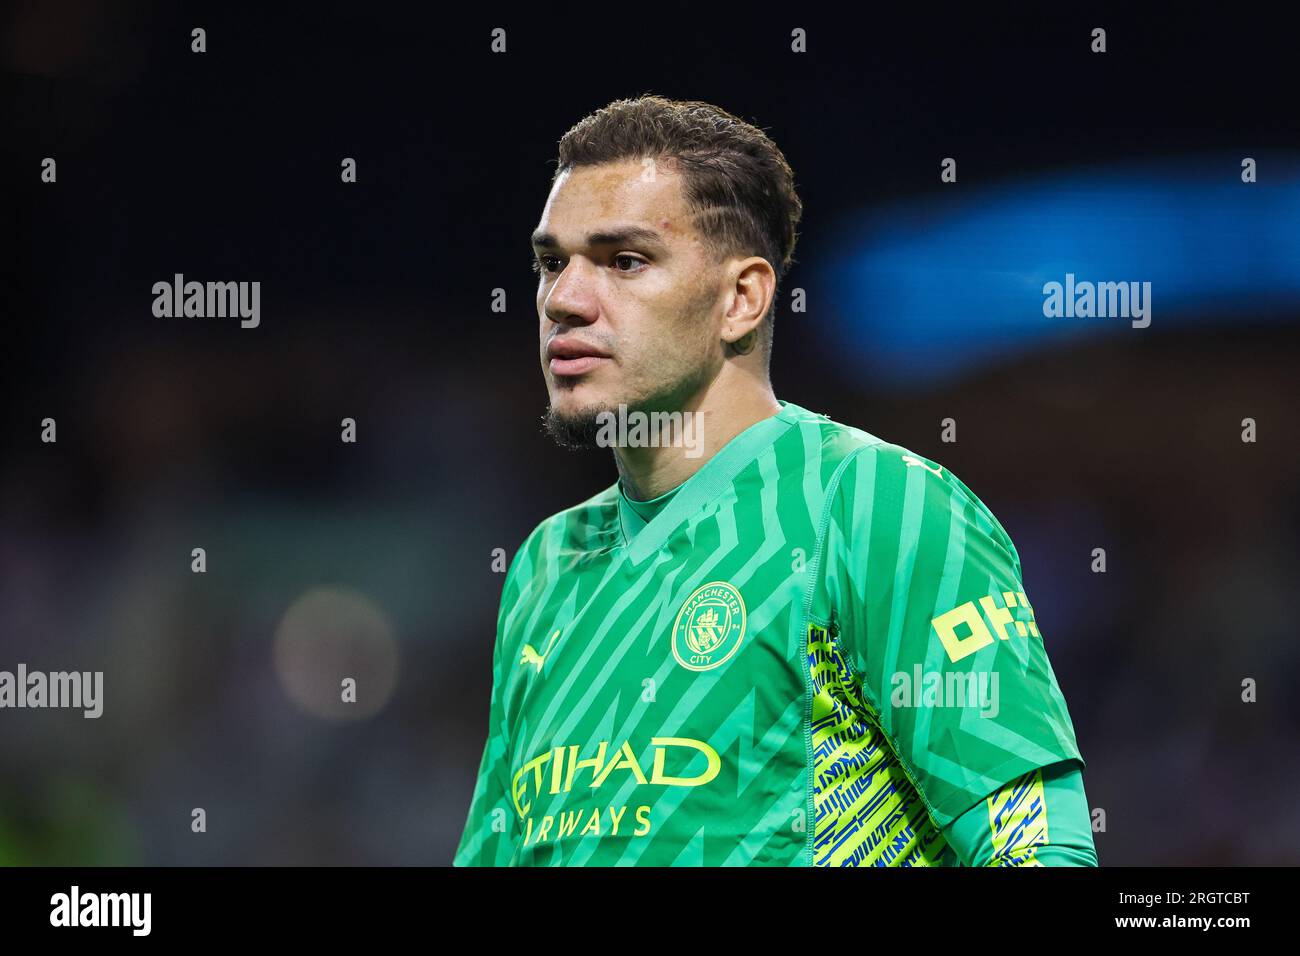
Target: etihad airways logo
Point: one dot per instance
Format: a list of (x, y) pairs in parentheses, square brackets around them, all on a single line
[(558, 769)]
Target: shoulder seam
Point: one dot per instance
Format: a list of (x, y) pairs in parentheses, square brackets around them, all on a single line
[(814, 568), (823, 523)]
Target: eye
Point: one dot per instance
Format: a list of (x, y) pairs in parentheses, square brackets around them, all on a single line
[(634, 263), (544, 264)]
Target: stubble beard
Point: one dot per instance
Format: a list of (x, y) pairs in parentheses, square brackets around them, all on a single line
[(581, 429)]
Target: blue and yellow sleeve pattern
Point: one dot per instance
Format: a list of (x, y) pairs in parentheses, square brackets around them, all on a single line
[(1039, 819)]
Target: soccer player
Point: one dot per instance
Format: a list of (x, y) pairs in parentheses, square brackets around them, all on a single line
[(776, 640)]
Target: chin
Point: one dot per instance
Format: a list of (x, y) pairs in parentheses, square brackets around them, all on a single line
[(579, 398), (571, 417), (573, 425)]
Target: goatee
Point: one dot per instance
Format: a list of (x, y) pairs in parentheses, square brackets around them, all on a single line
[(576, 431)]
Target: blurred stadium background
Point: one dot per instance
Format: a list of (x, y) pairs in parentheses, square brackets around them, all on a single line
[(374, 559)]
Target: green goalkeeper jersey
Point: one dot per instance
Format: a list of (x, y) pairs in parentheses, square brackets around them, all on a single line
[(817, 650)]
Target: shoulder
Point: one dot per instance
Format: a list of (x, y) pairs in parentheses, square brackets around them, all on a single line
[(844, 448), (587, 526), (895, 489), (820, 437)]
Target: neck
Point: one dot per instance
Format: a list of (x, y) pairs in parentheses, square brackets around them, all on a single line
[(718, 413)]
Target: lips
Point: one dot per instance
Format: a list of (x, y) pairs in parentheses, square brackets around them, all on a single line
[(569, 357)]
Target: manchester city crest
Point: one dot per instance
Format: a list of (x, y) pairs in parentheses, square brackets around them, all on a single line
[(709, 627)]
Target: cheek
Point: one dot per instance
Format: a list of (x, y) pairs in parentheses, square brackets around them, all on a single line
[(693, 332), (665, 353), (540, 300)]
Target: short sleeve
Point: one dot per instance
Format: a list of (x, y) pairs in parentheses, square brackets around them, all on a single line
[(1039, 819), (921, 587)]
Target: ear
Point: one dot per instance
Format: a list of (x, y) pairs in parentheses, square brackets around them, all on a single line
[(752, 288)]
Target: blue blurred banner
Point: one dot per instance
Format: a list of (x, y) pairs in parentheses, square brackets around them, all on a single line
[(970, 272)]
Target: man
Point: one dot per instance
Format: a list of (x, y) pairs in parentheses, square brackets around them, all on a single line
[(775, 640)]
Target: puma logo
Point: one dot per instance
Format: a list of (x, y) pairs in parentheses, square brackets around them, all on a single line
[(532, 657), (912, 462)]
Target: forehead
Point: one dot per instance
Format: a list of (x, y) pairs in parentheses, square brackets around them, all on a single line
[(588, 197)]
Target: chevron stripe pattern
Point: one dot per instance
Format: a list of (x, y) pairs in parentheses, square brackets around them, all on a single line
[(684, 685)]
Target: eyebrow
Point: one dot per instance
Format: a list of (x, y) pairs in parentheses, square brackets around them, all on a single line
[(628, 234)]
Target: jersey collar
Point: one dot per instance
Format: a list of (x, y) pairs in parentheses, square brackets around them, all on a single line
[(645, 538)]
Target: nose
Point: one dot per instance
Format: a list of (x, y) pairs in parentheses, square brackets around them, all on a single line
[(572, 298)]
